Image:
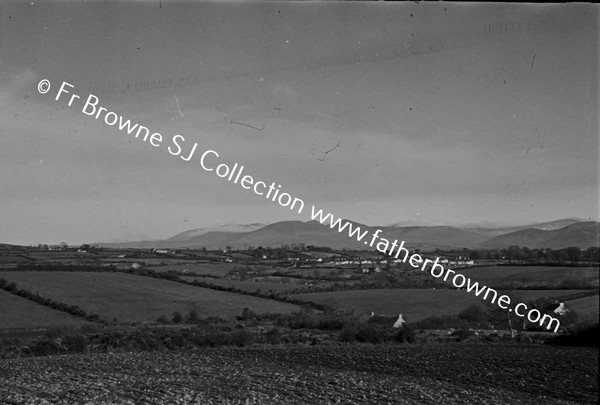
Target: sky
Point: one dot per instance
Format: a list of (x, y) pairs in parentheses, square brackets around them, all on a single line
[(382, 113)]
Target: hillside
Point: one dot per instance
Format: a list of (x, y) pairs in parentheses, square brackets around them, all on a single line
[(293, 233), (18, 312), (227, 228), (489, 229), (130, 298), (583, 235)]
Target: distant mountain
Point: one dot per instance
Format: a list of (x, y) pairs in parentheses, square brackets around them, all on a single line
[(548, 234), (490, 229), (582, 234), (277, 234), (426, 237), (558, 224), (221, 228)]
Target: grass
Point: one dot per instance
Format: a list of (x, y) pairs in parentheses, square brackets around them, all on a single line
[(416, 304), (251, 286), (213, 269), (130, 298), (17, 312), (524, 276), (12, 259), (586, 308)]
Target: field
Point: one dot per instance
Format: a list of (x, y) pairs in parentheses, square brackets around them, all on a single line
[(130, 298), (212, 269), (406, 374), (17, 312), (249, 286), (12, 260), (524, 276), (586, 308), (416, 304)]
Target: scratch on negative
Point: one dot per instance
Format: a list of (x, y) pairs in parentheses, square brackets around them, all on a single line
[(330, 150), (248, 125)]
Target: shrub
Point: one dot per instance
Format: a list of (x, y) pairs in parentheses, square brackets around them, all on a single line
[(473, 313), (76, 343), (330, 323), (348, 333), (247, 313), (405, 334), (242, 338), (192, 317), (162, 320), (581, 335), (370, 334), (273, 336), (46, 347), (302, 320), (177, 318), (463, 334), (441, 322)]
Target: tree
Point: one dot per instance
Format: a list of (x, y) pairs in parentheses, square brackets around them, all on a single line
[(247, 313), (560, 256), (514, 253), (177, 318), (593, 254), (573, 253), (473, 313), (474, 255), (192, 317), (527, 253)]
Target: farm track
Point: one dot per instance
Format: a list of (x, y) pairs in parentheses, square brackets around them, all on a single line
[(354, 374)]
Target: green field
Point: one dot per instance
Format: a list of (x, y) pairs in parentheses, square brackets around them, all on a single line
[(17, 312), (525, 276), (251, 286), (212, 269), (12, 259), (130, 298), (417, 304), (586, 308)]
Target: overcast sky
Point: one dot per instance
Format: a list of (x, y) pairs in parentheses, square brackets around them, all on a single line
[(443, 113)]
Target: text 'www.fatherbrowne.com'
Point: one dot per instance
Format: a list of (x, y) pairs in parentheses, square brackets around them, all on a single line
[(397, 249)]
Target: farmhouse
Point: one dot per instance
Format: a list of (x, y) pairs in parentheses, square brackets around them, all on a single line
[(399, 322)]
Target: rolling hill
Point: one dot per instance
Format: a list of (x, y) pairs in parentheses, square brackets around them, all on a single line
[(491, 229), (583, 235), (549, 234), (227, 228)]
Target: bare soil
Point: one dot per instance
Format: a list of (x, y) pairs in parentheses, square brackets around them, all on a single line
[(350, 374)]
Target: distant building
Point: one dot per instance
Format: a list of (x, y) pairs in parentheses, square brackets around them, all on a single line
[(561, 309), (399, 322)]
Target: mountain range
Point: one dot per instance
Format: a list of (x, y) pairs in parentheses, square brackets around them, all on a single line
[(555, 234)]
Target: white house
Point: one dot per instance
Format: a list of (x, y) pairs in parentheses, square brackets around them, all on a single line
[(399, 322)]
